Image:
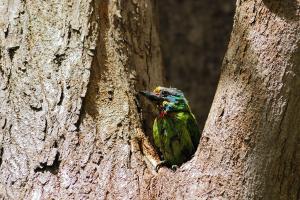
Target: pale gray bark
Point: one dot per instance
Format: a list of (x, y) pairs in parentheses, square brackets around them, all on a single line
[(65, 133), (70, 119)]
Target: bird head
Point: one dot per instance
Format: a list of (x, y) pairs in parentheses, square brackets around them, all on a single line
[(167, 100)]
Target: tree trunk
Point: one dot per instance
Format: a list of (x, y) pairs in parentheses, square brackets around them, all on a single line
[(69, 76), (71, 123)]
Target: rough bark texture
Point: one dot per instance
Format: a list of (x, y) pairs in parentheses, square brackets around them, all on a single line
[(68, 110), (250, 144), (70, 120), (194, 36)]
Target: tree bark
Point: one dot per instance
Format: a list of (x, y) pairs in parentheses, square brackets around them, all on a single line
[(69, 75), (70, 119), (250, 144)]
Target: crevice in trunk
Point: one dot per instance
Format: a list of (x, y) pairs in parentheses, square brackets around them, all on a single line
[(1, 155), (89, 104), (53, 169), (12, 51)]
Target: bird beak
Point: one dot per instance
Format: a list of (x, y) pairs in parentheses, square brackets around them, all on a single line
[(151, 96)]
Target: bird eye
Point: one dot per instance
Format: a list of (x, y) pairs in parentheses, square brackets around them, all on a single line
[(164, 93)]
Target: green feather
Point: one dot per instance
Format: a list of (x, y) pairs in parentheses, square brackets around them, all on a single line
[(177, 136), (175, 131)]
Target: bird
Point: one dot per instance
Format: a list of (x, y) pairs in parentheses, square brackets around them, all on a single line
[(175, 130)]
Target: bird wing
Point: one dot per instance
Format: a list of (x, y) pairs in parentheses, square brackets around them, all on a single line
[(157, 128), (193, 129)]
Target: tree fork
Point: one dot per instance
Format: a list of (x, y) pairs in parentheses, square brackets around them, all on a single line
[(76, 140), (250, 144)]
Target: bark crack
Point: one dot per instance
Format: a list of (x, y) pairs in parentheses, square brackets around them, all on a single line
[(1, 155), (12, 52), (53, 169)]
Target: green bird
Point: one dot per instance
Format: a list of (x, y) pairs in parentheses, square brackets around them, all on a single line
[(175, 130)]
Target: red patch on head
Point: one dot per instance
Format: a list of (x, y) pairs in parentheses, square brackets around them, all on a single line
[(162, 114)]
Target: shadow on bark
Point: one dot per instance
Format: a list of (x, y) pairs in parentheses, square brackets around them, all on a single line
[(283, 8), (90, 102), (53, 168), (1, 155)]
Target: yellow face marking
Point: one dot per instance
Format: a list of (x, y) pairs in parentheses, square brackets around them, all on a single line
[(157, 90), (165, 103)]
